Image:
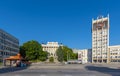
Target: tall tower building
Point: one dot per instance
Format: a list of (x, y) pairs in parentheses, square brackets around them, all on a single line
[(100, 40)]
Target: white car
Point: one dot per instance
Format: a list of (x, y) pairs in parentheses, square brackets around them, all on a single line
[(79, 62)]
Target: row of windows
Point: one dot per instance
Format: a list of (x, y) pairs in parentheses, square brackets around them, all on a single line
[(99, 53), (99, 44), (104, 32), (96, 49), (102, 51), (100, 32), (51, 54), (115, 60), (9, 48), (7, 37), (9, 44), (115, 57), (102, 40), (99, 38), (98, 35), (50, 47), (114, 53), (114, 49), (100, 57), (49, 50), (99, 47), (106, 57), (6, 53)]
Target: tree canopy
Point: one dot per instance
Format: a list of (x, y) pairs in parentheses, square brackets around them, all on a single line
[(60, 53), (32, 50), (64, 53)]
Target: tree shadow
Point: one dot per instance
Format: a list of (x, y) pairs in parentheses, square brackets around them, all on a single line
[(105, 70), (11, 69)]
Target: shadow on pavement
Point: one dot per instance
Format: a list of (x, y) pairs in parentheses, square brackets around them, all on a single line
[(105, 70), (11, 69)]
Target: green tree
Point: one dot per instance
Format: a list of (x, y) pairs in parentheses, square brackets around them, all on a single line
[(65, 53), (74, 56), (43, 55), (32, 50), (60, 53), (51, 59), (22, 52)]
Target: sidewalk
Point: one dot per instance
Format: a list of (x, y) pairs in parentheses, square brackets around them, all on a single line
[(11, 69), (46, 64), (1, 66), (115, 66)]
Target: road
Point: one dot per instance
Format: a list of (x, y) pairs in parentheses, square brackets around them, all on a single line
[(62, 70)]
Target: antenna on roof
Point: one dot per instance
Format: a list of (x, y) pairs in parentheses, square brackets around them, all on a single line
[(100, 16)]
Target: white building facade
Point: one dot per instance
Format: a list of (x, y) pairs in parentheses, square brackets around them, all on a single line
[(9, 45), (85, 55), (100, 39), (75, 50), (114, 54), (51, 48)]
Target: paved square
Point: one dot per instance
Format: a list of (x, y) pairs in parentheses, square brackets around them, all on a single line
[(63, 70)]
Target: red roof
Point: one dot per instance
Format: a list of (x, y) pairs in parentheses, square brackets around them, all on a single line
[(17, 57)]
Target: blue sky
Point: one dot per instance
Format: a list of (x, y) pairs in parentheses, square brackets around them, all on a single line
[(65, 21)]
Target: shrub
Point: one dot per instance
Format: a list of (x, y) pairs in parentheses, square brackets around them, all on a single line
[(51, 59)]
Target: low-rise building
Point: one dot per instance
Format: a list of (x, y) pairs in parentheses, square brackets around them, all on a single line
[(51, 48), (114, 54), (75, 50), (9, 45), (85, 55)]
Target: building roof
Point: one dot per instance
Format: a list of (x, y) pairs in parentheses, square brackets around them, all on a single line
[(17, 57)]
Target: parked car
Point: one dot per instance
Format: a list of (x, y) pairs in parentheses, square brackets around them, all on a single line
[(79, 62), (74, 62)]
